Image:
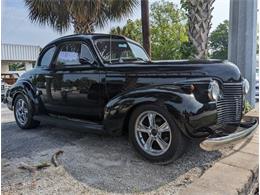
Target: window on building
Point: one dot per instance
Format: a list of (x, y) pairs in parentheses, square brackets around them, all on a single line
[(16, 67)]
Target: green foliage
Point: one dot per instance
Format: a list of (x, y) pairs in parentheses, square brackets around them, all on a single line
[(132, 30), (247, 107), (219, 41), (168, 31), (187, 49), (168, 25), (16, 67), (185, 5)]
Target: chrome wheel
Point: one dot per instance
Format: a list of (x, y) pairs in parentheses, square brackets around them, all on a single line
[(21, 111), (153, 133)]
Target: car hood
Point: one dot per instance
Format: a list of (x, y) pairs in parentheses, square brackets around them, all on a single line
[(225, 71)]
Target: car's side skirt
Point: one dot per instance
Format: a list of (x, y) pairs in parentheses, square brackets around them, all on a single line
[(69, 123)]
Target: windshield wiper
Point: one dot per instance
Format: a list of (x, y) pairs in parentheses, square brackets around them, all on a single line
[(138, 58), (122, 60)]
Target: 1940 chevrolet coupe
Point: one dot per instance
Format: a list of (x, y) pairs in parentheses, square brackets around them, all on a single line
[(108, 84)]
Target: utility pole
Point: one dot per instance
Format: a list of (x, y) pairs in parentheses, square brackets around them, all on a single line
[(242, 40), (146, 26)]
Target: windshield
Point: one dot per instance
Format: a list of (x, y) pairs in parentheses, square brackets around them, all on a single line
[(119, 51)]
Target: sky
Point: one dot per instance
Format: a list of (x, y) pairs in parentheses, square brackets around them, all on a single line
[(18, 29)]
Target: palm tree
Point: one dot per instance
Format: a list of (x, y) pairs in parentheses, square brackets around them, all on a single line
[(199, 22), (84, 15)]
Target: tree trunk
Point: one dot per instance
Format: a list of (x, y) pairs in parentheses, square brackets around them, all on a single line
[(145, 26), (83, 27), (200, 15)]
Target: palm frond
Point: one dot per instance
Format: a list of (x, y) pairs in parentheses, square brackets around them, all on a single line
[(49, 12), (83, 14)]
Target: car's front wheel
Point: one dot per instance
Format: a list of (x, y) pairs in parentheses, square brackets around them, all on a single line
[(23, 113), (155, 135)]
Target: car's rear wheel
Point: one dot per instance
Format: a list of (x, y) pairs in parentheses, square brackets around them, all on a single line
[(155, 135), (23, 112)]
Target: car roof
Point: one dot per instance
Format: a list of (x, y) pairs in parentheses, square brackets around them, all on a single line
[(90, 36)]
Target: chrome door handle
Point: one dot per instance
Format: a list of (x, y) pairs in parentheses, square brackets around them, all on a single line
[(48, 77)]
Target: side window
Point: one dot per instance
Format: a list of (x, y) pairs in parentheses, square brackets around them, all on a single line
[(69, 54), (138, 51), (74, 54), (47, 57)]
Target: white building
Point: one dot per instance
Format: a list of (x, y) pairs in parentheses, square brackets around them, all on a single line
[(18, 58)]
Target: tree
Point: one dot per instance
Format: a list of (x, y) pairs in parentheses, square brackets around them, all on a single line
[(132, 30), (145, 26), (219, 41), (168, 31), (169, 37), (84, 16), (199, 14)]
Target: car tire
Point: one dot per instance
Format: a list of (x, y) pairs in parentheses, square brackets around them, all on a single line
[(23, 113), (167, 143)]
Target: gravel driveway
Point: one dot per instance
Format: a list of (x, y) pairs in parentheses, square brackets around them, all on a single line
[(108, 164)]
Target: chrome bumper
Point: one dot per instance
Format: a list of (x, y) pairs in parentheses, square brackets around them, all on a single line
[(216, 143)]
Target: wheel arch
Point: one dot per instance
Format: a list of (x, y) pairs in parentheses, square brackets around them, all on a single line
[(129, 113), (26, 89), (118, 110), (189, 114)]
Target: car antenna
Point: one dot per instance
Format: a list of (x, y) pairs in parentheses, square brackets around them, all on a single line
[(110, 36)]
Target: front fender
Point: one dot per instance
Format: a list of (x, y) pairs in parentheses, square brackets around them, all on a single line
[(188, 113), (25, 88)]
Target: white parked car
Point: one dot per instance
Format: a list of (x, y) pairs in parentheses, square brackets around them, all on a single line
[(7, 80), (4, 87)]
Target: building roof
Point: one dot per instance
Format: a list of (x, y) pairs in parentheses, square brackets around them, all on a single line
[(15, 52)]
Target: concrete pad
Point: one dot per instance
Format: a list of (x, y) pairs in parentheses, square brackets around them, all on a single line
[(232, 174), (255, 140), (242, 160), (257, 131), (198, 190), (221, 179), (251, 148)]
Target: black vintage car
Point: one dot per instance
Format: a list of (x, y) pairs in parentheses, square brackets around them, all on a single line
[(108, 84)]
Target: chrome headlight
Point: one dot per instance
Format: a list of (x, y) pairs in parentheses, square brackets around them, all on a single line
[(214, 90), (246, 86)]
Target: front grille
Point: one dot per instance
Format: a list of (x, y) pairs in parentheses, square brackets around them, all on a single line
[(229, 107)]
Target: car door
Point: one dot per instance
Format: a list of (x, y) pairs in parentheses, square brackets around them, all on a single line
[(73, 84), (43, 77)]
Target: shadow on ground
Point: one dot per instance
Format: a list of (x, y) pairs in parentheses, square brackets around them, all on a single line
[(103, 162), (111, 164)]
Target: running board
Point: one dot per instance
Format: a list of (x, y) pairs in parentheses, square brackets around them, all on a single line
[(67, 123)]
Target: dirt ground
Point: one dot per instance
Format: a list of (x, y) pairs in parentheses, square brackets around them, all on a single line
[(90, 164)]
